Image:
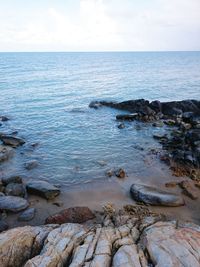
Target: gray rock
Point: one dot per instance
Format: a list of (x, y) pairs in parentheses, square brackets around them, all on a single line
[(3, 226), (27, 215), (43, 189), (31, 164), (11, 140), (5, 153), (11, 179), (15, 189), (154, 196), (14, 204)]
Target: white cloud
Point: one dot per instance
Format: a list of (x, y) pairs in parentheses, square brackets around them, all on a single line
[(106, 25)]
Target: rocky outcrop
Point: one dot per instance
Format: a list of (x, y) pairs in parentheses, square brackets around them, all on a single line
[(155, 196), (43, 189), (119, 241)]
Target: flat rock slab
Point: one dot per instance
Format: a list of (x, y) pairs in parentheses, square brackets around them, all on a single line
[(43, 189), (12, 203), (11, 140), (155, 196), (71, 215)]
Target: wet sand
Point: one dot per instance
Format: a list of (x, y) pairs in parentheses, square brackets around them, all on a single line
[(116, 191)]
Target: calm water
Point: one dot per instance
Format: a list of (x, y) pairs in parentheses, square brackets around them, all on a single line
[(47, 96)]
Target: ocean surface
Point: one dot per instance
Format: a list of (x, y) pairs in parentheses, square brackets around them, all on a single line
[(46, 96)]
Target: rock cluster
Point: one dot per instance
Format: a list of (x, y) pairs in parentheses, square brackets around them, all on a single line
[(182, 146), (120, 240)]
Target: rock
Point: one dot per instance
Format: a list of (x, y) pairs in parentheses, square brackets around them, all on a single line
[(12, 203), (5, 153), (109, 173), (71, 215), (43, 189), (170, 246), (189, 189), (95, 104), (27, 215), (121, 126), (15, 189), (11, 179), (120, 173), (31, 164), (128, 117), (3, 226), (3, 118), (171, 184), (126, 255), (11, 140), (170, 122), (20, 244), (160, 137), (59, 246), (158, 124), (154, 196)]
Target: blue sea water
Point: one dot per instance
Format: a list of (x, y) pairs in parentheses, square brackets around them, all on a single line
[(46, 95)]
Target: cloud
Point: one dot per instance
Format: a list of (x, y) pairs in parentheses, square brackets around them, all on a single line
[(105, 25)]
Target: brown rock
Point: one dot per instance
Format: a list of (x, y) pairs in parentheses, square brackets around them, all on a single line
[(171, 184), (120, 173), (71, 215), (189, 189)]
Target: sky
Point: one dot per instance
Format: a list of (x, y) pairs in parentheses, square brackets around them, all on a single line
[(99, 25)]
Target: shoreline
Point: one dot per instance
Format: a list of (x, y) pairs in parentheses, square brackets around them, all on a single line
[(115, 190)]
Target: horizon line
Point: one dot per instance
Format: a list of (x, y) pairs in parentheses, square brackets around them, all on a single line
[(106, 51)]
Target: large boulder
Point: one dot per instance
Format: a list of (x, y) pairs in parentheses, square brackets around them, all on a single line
[(12, 203), (15, 189), (170, 245), (71, 215), (43, 189), (11, 140), (153, 196), (20, 244)]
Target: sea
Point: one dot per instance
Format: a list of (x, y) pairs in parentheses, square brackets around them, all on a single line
[(46, 97)]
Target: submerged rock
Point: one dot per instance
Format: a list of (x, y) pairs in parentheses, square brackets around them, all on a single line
[(12, 203), (154, 196), (31, 164), (4, 118), (71, 215), (128, 117), (11, 140), (27, 215), (120, 173), (43, 189), (5, 153)]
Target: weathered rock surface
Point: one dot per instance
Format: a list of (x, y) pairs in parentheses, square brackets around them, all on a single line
[(170, 246), (154, 196), (122, 244), (5, 153), (12, 203), (189, 189), (11, 140), (71, 215), (43, 189), (20, 244)]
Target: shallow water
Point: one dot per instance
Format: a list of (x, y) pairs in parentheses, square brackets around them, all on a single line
[(46, 95)]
